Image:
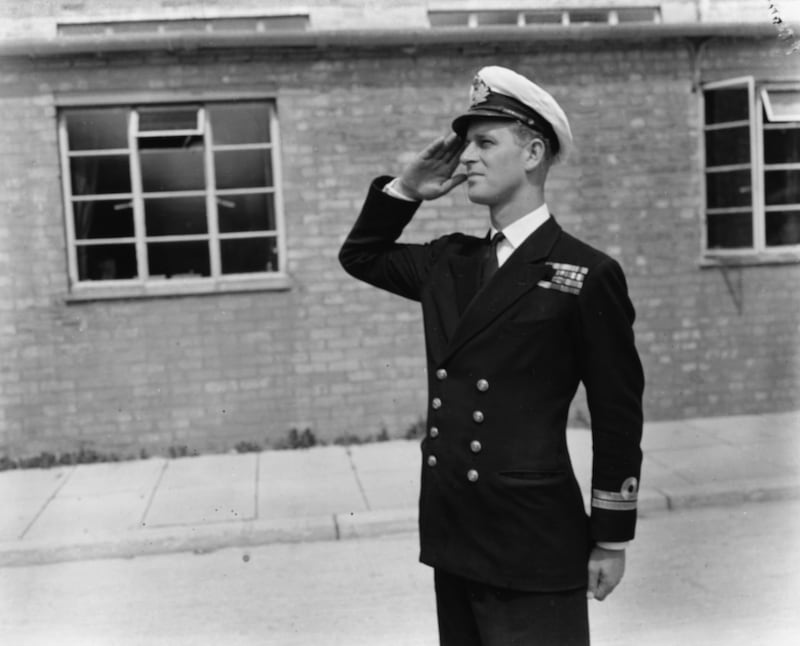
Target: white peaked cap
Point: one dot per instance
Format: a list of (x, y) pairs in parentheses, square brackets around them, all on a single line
[(498, 92)]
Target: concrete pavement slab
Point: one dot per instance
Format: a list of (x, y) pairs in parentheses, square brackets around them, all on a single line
[(205, 489), (389, 473), (720, 464), (308, 482), (23, 496)]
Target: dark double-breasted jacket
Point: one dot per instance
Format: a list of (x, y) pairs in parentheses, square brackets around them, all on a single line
[(499, 502)]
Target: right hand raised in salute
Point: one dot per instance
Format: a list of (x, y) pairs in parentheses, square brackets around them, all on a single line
[(430, 175)]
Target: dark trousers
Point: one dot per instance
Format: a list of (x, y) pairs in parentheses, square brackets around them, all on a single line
[(476, 614)]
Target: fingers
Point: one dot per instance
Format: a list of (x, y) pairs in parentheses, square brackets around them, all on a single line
[(594, 581), (455, 180), (447, 149)]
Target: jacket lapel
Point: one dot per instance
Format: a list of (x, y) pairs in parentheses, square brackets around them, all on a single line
[(453, 286), (518, 275)]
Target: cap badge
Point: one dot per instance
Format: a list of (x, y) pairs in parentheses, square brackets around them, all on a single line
[(479, 92)]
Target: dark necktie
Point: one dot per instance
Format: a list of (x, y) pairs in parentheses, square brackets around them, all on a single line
[(490, 264)]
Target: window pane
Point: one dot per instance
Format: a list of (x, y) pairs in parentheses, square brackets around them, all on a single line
[(637, 14), (730, 104), (782, 105), (106, 262), (249, 255), (255, 212), (243, 168), (165, 169), (103, 219), (783, 228), (497, 17), (782, 187), (730, 188), (728, 146), (178, 118), (178, 259), (239, 123), (448, 18), (729, 230), (543, 17), (782, 145), (100, 175), (97, 129), (175, 216), (587, 15)]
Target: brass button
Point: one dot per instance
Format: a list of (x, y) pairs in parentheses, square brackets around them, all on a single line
[(472, 475), (482, 385), (441, 374), (434, 432), (432, 460), (475, 446), (436, 403), (477, 416)]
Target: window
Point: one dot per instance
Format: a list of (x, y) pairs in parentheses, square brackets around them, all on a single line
[(162, 195), (521, 18), (289, 22), (752, 167)]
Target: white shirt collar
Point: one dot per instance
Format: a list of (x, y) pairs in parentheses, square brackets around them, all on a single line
[(518, 231)]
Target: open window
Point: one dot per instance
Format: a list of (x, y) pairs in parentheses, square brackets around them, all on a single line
[(752, 167), (169, 195)]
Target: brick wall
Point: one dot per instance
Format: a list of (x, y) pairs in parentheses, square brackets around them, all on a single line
[(332, 354)]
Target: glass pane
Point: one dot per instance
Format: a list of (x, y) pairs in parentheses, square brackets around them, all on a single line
[(174, 118), (103, 219), (448, 18), (243, 168), (497, 17), (729, 230), (783, 228), (100, 175), (179, 259), (165, 169), (730, 188), (728, 146), (97, 129), (239, 123), (106, 262), (254, 212), (249, 255), (543, 17), (730, 104), (587, 15), (782, 187), (781, 145), (782, 105), (637, 14), (173, 216)]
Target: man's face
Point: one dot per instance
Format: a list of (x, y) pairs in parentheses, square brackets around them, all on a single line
[(493, 161)]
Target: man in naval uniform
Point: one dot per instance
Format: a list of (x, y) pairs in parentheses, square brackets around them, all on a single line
[(514, 321)]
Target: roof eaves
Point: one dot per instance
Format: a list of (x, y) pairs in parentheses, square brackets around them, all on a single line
[(375, 38)]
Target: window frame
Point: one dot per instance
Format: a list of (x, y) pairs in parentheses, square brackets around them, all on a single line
[(148, 286), (759, 252)]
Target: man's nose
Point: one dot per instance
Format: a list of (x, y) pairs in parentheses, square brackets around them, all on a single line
[(468, 154)]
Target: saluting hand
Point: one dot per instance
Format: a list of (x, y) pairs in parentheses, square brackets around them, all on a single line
[(606, 568), (430, 175)]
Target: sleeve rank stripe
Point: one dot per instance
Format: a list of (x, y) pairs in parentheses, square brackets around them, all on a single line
[(628, 505), (613, 496)]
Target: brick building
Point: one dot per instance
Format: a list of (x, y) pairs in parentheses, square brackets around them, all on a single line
[(177, 179)]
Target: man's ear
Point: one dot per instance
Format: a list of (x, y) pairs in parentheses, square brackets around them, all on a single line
[(536, 153)]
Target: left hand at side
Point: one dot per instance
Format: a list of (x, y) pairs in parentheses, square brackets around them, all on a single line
[(606, 568)]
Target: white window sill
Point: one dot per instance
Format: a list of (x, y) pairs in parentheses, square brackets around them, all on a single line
[(115, 290), (751, 258)]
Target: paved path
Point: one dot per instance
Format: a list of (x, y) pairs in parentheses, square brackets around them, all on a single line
[(331, 493)]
